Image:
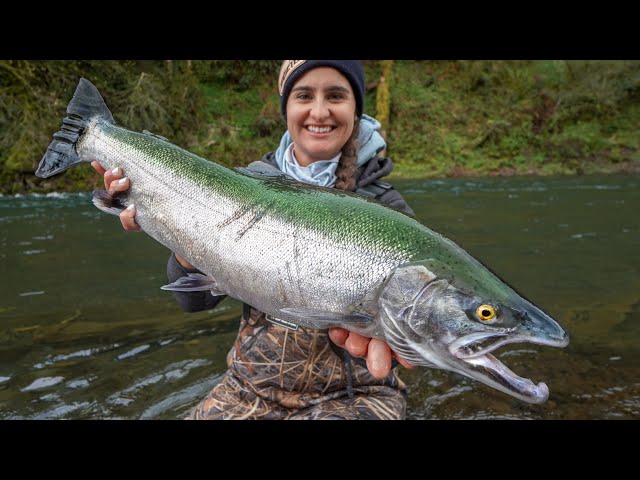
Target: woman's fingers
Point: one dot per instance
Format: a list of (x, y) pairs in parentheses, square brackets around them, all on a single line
[(357, 344), (117, 183), (127, 218), (114, 179), (186, 264), (111, 176), (402, 361), (379, 358), (377, 352), (338, 336), (98, 167)]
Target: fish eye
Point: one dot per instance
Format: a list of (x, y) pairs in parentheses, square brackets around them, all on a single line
[(486, 312)]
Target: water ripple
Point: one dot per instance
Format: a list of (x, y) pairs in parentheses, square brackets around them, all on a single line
[(453, 392), (181, 398), (61, 410), (80, 353), (43, 382), (75, 384), (133, 352), (26, 294), (171, 372)]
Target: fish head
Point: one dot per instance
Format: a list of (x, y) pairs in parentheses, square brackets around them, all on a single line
[(453, 318)]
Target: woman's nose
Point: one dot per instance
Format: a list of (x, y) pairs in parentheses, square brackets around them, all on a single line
[(319, 109)]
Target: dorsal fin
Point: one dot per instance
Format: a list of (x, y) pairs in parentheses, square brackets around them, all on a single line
[(155, 135), (260, 169)]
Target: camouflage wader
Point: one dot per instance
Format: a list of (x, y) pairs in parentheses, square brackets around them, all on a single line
[(280, 374)]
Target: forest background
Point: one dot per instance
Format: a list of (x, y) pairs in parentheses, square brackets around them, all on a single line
[(440, 118)]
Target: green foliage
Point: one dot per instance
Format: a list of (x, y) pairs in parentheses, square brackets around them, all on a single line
[(592, 89), (241, 74), (444, 117), (240, 125), (505, 117)]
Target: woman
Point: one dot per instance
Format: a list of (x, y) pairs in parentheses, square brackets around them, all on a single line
[(275, 372)]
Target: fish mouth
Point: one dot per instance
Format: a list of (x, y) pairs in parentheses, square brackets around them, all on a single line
[(474, 350)]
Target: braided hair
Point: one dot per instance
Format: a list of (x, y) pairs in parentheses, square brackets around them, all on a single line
[(347, 167)]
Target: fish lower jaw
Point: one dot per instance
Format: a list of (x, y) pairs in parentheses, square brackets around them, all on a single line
[(474, 351), (495, 374)]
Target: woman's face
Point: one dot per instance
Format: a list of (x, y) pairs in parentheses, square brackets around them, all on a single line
[(321, 112)]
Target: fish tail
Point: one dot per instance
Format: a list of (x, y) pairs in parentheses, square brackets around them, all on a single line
[(87, 104)]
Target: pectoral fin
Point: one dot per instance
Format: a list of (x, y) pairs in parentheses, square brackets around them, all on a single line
[(195, 282), (112, 203)]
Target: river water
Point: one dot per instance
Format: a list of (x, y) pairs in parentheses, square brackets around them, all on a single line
[(86, 332)]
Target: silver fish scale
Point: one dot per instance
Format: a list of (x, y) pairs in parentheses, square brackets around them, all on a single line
[(250, 251)]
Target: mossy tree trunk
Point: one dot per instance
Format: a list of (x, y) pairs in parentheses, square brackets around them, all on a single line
[(383, 98)]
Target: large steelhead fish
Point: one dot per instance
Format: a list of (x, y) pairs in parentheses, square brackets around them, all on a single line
[(310, 256)]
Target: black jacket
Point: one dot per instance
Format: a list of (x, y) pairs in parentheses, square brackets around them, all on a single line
[(368, 184)]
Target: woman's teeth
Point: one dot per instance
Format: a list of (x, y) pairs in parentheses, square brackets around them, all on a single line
[(319, 129)]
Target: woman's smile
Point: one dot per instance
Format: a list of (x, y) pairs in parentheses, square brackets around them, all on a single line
[(319, 130)]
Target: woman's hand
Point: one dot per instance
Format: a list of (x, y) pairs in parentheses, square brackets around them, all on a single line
[(115, 181), (377, 353)]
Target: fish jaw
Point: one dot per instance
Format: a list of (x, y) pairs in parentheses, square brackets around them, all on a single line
[(430, 322), (491, 371), (486, 368), (473, 352)]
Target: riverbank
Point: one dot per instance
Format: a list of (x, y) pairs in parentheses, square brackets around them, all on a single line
[(593, 167)]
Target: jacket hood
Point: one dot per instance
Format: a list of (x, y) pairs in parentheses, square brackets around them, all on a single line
[(373, 170)]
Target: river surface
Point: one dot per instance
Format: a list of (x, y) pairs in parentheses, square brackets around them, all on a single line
[(86, 332)]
